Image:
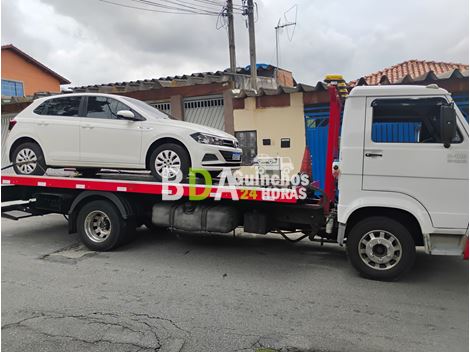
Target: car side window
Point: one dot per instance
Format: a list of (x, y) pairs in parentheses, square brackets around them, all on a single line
[(66, 106), (41, 109), (104, 108), (408, 121)]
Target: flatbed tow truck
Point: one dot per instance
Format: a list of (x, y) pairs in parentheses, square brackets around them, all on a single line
[(393, 195)]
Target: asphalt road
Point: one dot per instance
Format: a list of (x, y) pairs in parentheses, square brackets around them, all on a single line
[(218, 293)]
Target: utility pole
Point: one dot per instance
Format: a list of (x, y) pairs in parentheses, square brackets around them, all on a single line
[(231, 38), (251, 33)]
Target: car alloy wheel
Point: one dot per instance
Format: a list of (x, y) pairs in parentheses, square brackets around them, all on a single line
[(167, 164), (380, 250), (26, 161)]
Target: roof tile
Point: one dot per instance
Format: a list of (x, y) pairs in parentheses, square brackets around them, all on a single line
[(411, 70)]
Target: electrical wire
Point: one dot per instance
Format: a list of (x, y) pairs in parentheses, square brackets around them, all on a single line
[(177, 12), (184, 5), (218, 3), (183, 8)]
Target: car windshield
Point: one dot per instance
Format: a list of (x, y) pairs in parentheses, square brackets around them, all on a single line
[(147, 108)]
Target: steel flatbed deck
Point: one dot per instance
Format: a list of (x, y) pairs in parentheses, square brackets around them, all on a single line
[(143, 184)]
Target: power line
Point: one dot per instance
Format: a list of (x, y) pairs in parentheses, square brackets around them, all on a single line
[(153, 10), (185, 8), (218, 3)]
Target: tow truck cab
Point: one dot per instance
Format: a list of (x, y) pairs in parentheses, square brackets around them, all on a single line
[(404, 158)]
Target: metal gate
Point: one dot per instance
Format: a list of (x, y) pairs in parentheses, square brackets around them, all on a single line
[(316, 128), (207, 111)]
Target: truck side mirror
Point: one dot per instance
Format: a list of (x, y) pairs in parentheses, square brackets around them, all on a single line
[(448, 124)]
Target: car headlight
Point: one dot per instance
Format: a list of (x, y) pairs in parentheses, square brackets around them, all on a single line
[(207, 139)]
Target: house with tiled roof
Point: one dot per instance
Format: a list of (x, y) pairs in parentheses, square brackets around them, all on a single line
[(448, 75), (22, 75), (414, 72)]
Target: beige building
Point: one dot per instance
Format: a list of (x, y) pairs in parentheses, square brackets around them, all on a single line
[(272, 125)]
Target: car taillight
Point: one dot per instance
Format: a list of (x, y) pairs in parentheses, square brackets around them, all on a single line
[(11, 124)]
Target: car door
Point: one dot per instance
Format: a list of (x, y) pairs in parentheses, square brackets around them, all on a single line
[(403, 153), (57, 128), (105, 139)]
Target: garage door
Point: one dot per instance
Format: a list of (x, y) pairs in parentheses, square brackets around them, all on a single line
[(207, 111)]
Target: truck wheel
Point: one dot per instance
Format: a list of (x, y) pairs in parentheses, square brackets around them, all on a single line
[(381, 248), (28, 159), (169, 159), (101, 227)]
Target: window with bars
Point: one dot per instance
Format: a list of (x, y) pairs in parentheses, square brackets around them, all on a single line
[(12, 88), (248, 144)]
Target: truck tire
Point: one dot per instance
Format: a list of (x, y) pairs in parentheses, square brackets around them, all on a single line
[(381, 248), (101, 227), (172, 157), (26, 152)]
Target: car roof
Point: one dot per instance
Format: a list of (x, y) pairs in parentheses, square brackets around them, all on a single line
[(79, 95)]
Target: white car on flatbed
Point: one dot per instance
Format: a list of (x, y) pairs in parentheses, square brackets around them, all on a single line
[(94, 131)]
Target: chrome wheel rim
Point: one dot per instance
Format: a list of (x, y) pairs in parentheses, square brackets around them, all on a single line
[(167, 164), (26, 161), (97, 226), (380, 250)]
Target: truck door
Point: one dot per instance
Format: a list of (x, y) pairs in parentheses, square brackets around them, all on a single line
[(403, 153)]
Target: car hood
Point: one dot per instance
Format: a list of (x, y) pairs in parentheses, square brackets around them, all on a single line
[(194, 127)]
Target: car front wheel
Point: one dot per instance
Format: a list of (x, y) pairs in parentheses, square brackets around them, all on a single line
[(168, 160), (28, 159)]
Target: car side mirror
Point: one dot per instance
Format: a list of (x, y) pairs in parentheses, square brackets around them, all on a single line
[(448, 124), (127, 115)]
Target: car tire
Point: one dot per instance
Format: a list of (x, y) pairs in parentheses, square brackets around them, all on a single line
[(29, 151), (169, 152), (381, 248), (88, 173), (101, 226)]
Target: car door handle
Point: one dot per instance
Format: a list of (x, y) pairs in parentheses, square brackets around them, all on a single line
[(87, 126), (42, 123), (373, 155), (145, 128)]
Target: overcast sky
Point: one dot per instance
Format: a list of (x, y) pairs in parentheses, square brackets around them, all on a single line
[(89, 41)]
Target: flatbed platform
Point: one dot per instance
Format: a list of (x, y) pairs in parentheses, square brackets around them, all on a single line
[(144, 183)]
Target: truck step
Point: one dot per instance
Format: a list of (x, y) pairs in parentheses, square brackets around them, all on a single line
[(21, 211)]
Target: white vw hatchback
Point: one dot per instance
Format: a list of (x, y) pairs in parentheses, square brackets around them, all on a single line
[(94, 131)]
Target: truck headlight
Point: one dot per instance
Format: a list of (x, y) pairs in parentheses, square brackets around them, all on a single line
[(207, 139)]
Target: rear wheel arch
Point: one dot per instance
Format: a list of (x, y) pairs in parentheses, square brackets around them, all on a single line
[(122, 204), (160, 142), (403, 216), (20, 141)]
